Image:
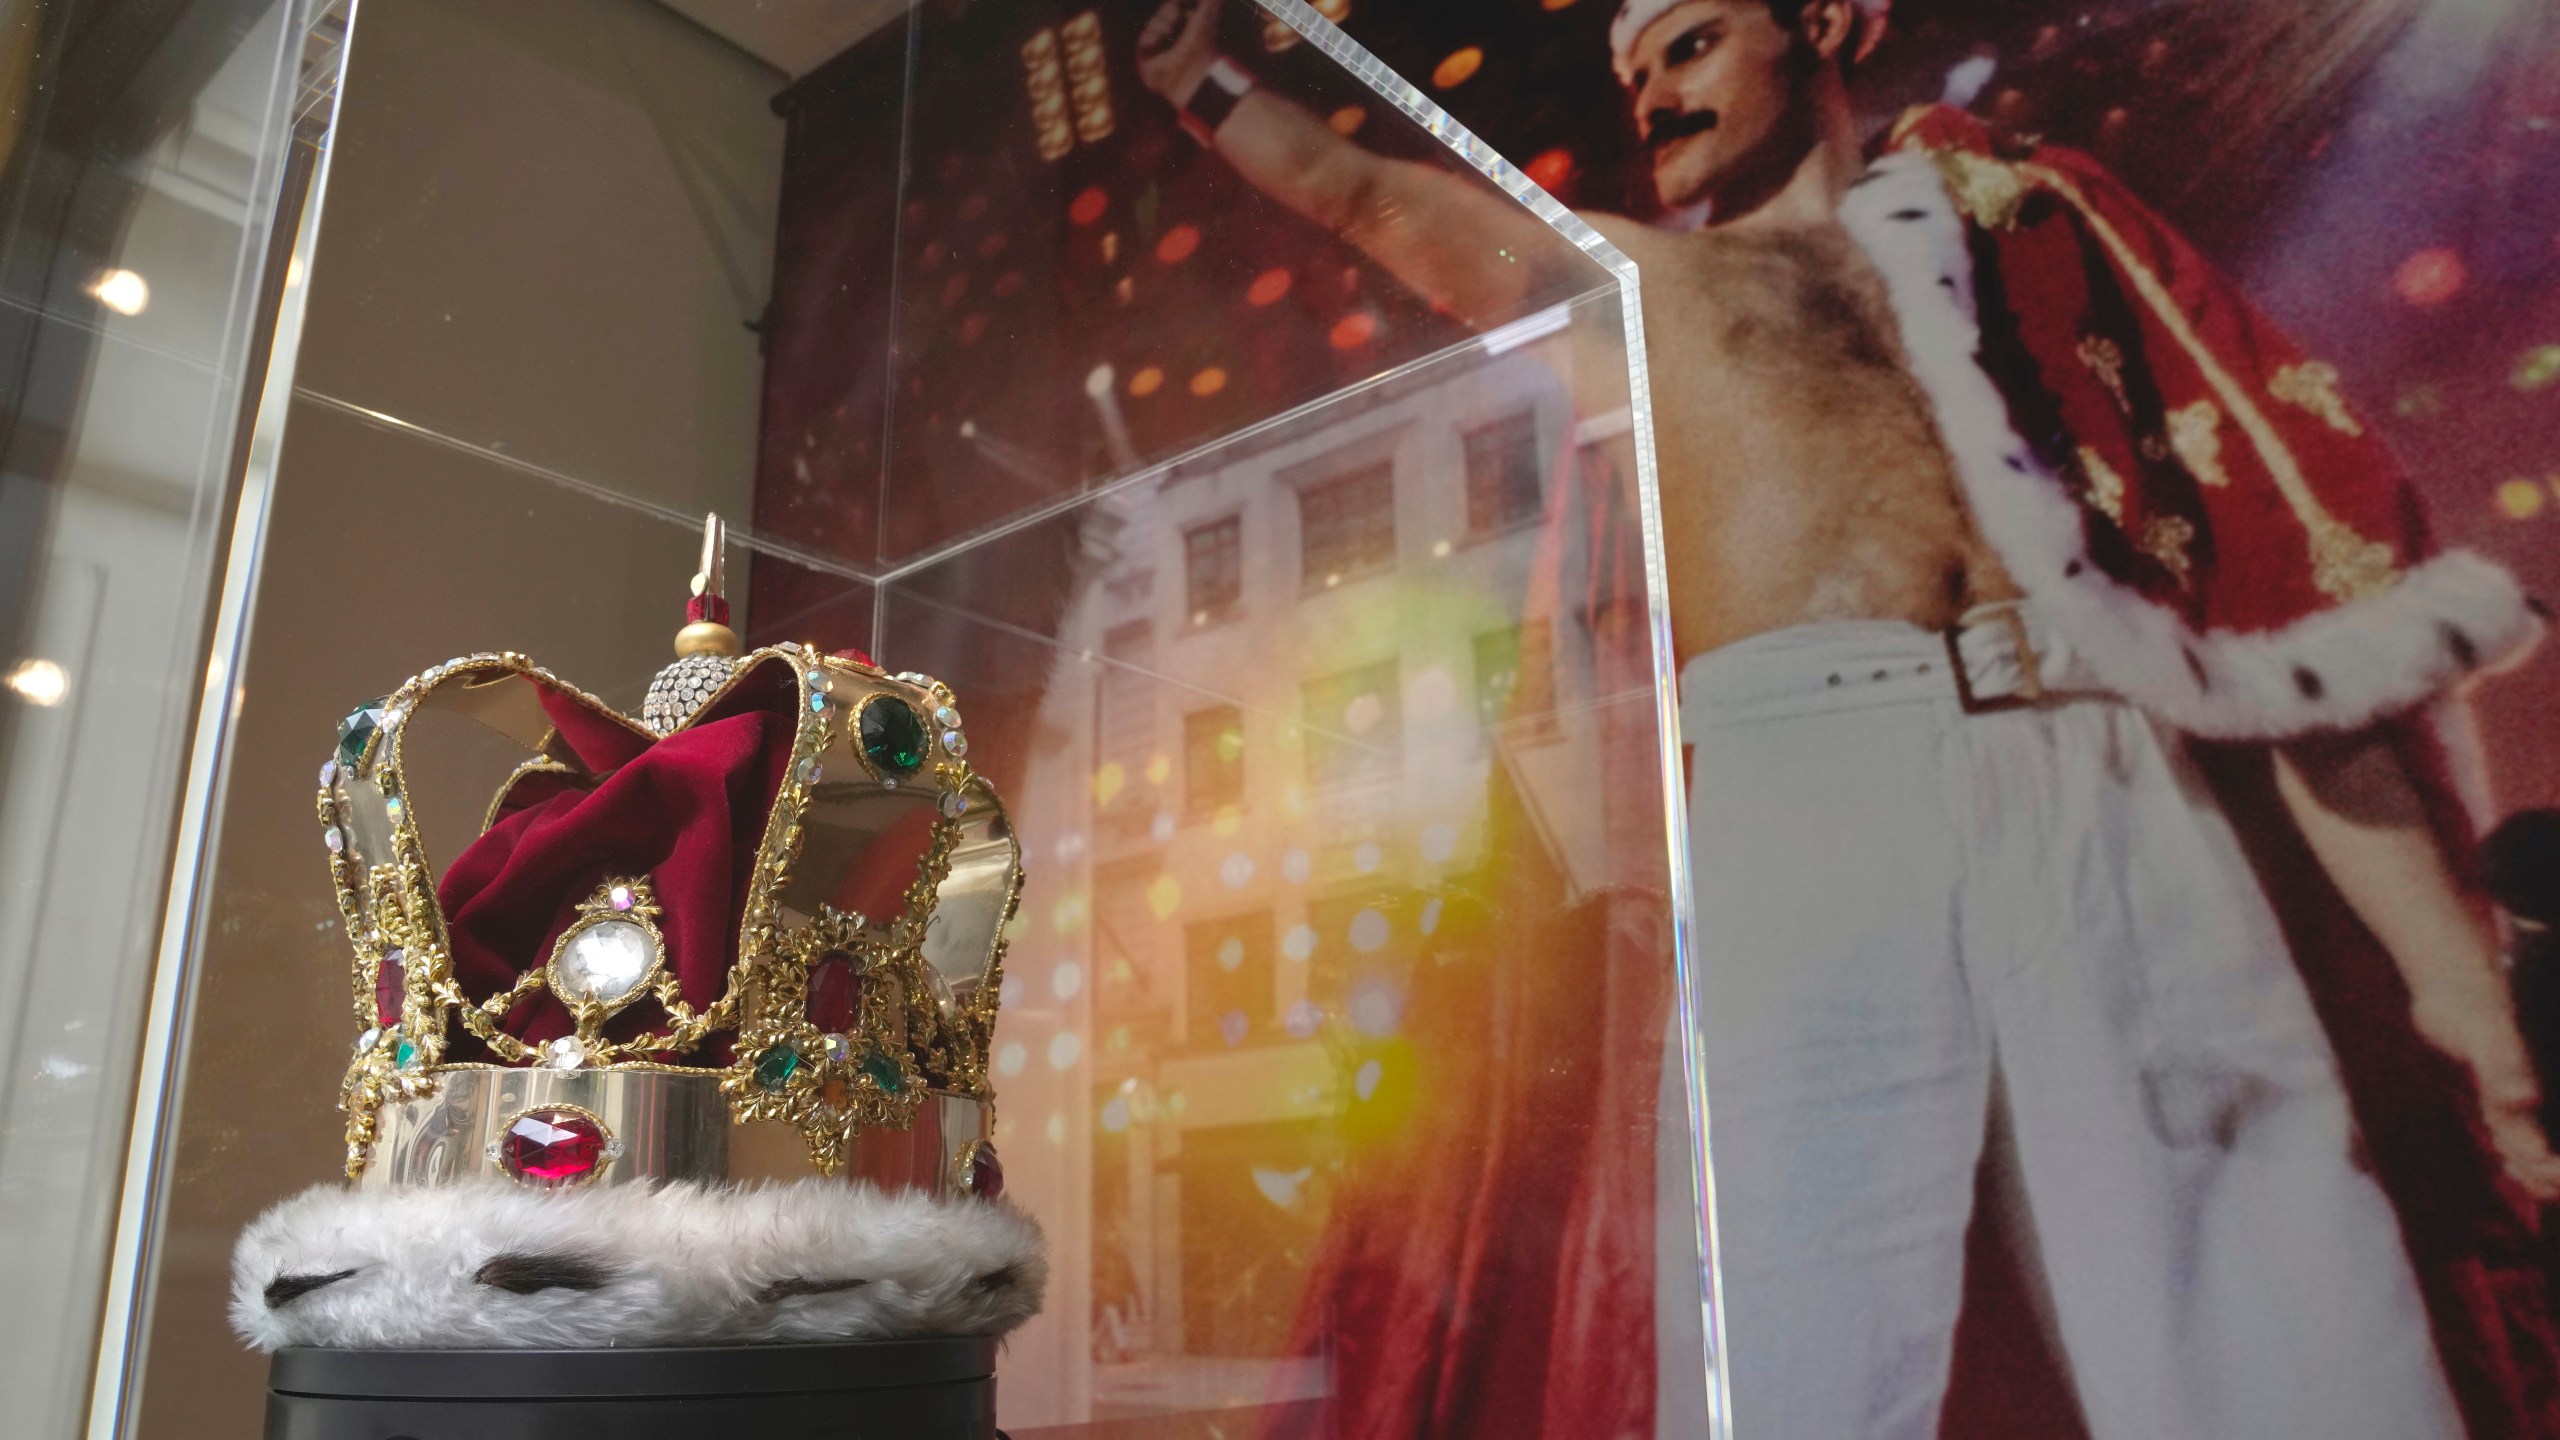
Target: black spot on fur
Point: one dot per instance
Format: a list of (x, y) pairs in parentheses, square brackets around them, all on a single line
[(1911, 212), (2465, 652), (528, 1274), (2195, 667), (2308, 681), (1004, 1279), (2539, 606), (2072, 570), (285, 1289), (796, 1286)]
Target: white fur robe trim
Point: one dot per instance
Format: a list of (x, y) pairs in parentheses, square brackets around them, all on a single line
[(445, 1267), (2445, 617)]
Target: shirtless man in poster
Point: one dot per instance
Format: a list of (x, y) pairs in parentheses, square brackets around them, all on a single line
[(1868, 944)]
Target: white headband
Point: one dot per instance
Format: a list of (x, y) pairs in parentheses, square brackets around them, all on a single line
[(1635, 15)]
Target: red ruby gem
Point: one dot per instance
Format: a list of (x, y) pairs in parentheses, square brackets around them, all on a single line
[(390, 989), (986, 1172), (835, 993), (552, 1147)]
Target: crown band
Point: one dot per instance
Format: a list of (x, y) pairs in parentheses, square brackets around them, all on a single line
[(557, 1129)]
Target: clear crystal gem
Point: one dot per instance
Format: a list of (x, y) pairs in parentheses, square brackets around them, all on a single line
[(955, 744), (811, 772), (328, 773), (335, 839), (606, 961), (946, 717), (366, 1040), (954, 804), (840, 1049), (621, 898), (565, 1053)]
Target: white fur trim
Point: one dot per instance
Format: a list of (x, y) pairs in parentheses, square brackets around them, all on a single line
[(680, 1265), (1634, 15), (2363, 661)]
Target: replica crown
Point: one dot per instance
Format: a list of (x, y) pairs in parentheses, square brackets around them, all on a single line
[(756, 932)]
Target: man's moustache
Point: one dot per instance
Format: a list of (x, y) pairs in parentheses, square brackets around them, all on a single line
[(1668, 127)]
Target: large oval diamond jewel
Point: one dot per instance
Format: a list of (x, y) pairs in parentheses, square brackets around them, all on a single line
[(606, 961)]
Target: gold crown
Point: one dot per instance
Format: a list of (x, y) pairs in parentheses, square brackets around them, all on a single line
[(582, 1015)]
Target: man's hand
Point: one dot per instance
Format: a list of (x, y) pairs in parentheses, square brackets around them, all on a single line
[(2478, 1028), (2360, 810), (1177, 48)]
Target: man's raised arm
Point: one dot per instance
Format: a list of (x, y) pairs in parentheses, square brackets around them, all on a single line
[(1450, 238)]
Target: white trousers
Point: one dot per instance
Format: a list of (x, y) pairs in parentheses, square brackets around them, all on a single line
[(1910, 916)]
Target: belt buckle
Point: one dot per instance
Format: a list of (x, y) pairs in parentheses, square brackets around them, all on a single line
[(2030, 691)]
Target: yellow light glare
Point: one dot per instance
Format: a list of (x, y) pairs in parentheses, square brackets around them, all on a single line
[(1227, 821), (1108, 782), (39, 682), (122, 291), (1164, 897), (2520, 498), (1159, 769)]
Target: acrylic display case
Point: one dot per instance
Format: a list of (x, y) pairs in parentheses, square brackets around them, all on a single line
[(1307, 620)]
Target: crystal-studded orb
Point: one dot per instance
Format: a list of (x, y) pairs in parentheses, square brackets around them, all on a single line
[(553, 1147), (986, 1172), (893, 735), (682, 688), (605, 962)]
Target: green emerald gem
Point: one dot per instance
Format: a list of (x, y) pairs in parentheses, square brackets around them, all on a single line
[(406, 1056), (776, 1066), (893, 735), (356, 732), (884, 1072)]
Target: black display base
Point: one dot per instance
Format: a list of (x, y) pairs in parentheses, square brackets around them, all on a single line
[(886, 1390)]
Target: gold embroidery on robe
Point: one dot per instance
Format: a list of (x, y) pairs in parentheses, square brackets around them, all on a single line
[(1987, 190), (2106, 487), (2166, 540), (2195, 432), (2105, 359), (2313, 385), (2345, 565)]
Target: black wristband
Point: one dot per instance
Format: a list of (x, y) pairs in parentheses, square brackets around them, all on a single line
[(1214, 99)]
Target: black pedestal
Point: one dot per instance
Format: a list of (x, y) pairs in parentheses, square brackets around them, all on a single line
[(888, 1390)]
